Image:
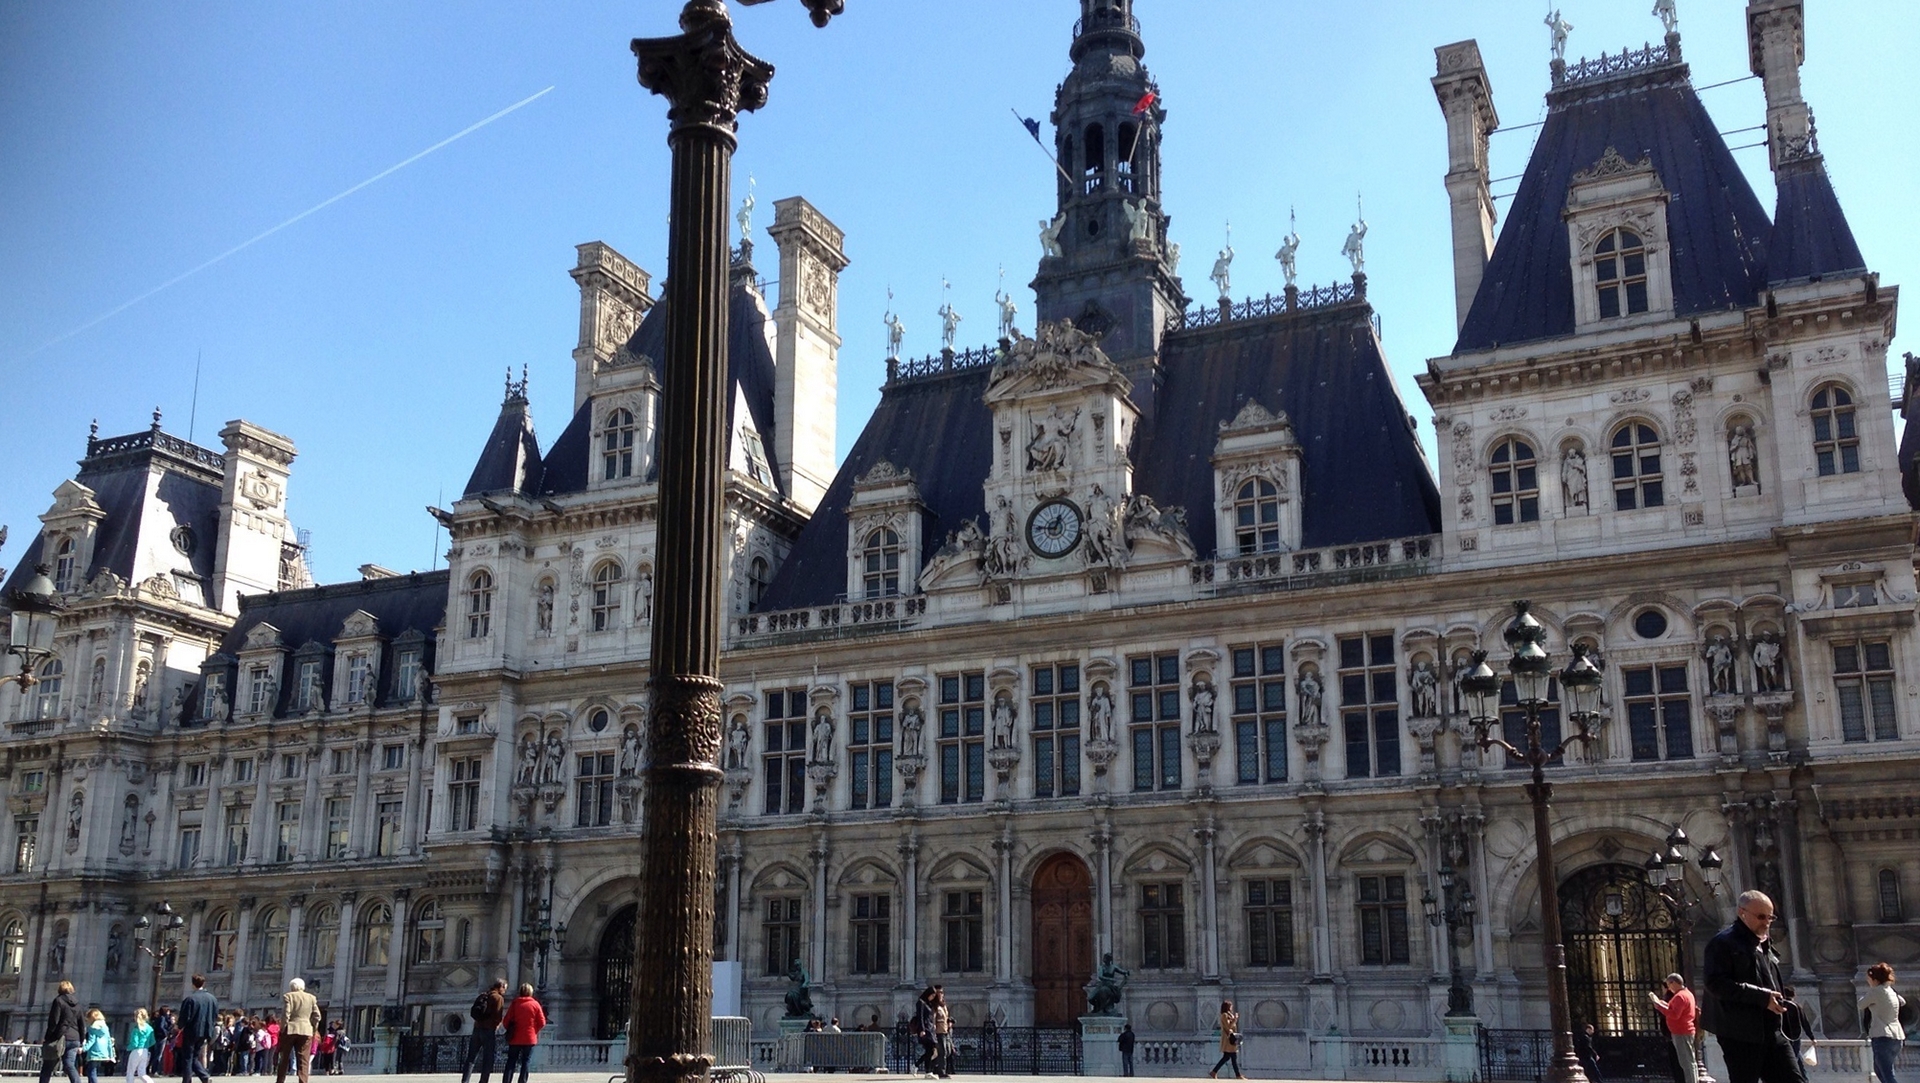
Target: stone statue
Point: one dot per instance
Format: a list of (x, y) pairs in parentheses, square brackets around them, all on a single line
[(57, 955), (739, 739), (543, 607), (1423, 681), (1173, 258), (630, 751), (1143, 520), (949, 324), (1052, 440), (1003, 721), (1100, 710), (1456, 673), (1719, 655), (896, 332), (553, 769), (643, 595), (1558, 28), (912, 725), (1668, 15), (1002, 557), (1223, 271), (1100, 547), (745, 215), (529, 760), (1573, 477), (1289, 245), (1008, 310), (74, 808), (177, 707), (821, 749), (1310, 689), (1107, 986), (1767, 662), (1743, 455), (1355, 248), (799, 992), (1139, 220), (129, 824), (218, 708), (1050, 235), (1202, 695), (116, 948)]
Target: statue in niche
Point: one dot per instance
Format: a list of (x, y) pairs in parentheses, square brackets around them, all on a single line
[(1719, 655), (553, 767), (116, 948), (543, 607), (1557, 30), (1202, 695), (1310, 690), (1003, 721), (1223, 271), (1003, 550), (529, 760), (129, 825), (1100, 547), (896, 333), (1573, 477), (1100, 709), (1768, 663), (57, 955), (739, 739), (1743, 456), (912, 725), (1423, 683), (1052, 441), (1457, 673), (141, 677), (1668, 15), (74, 808), (630, 751), (1050, 235), (1355, 248), (821, 750), (643, 595)]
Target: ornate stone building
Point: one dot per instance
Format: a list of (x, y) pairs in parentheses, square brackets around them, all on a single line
[(1136, 636)]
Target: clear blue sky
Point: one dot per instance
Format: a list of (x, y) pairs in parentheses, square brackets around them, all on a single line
[(139, 140)]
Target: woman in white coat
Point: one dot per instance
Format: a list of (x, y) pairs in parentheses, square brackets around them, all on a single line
[(1883, 1025)]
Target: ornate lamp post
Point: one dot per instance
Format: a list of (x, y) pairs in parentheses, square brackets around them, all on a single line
[(1454, 909), (36, 610), (1532, 674), (1666, 872), (170, 926), (707, 79), (540, 936)]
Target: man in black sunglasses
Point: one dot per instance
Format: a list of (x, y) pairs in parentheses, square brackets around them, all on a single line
[(1743, 977)]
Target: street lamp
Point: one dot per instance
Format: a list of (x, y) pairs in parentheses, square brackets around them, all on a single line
[(1532, 674), (170, 925), (36, 608), (1454, 909), (1666, 870), (541, 936)]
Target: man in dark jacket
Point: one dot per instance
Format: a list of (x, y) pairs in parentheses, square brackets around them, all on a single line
[(1743, 977), (63, 1036), (483, 1042), (198, 1015)]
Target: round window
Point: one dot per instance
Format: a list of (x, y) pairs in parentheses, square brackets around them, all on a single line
[(453, 1024), (597, 721), (1650, 624)]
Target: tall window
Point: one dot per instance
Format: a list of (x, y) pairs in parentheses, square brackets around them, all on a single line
[(1636, 467), (291, 764), (359, 669), (479, 605), (47, 692), (286, 842), (593, 789), (272, 924), (213, 694), (406, 676), (239, 820), (1659, 712), (1163, 927), (1269, 916), (1260, 713), (608, 582), (1256, 516), (430, 933), (243, 769), (870, 743), (325, 944), (376, 934), (26, 842), (1888, 885), (781, 930), (1370, 705), (872, 933), (220, 935), (13, 948), (785, 757), (880, 564), (1154, 688), (259, 685), (1836, 446), (963, 920), (386, 814), (393, 757), (1620, 273), (759, 575), (1055, 711), (963, 728), (616, 446), (339, 826), (1863, 681), (189, 843), (1383, 920), (1516, 482), (463, 793), (63, 566)]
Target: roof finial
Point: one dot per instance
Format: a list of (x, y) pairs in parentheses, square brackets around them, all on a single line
[(156, 419)]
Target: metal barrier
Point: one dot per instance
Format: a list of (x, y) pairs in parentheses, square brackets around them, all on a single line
[(19, 1059), (857, 1051)]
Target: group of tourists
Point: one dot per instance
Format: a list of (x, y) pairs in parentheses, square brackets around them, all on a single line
[(197, 1042), (522, 1019), (933, 1027)]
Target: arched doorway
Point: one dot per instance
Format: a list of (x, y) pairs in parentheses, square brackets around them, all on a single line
[(613, 973), (1062, 940), (1621, 940)]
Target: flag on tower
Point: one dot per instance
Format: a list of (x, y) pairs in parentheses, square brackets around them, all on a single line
[(1032, 126), (1145, 103)]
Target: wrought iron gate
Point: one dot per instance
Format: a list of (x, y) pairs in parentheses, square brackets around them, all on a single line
[(431, 1053), (1622, 940)]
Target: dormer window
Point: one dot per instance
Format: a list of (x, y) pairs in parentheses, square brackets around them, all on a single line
[(1256, 516), (63, 564), (1836, 443), (406, 675), (1617, 233), (1515, 477), (306, 692), (259, 689), (616, 446), (359, 670), (880, 559), (1620, 273), (758, 576)]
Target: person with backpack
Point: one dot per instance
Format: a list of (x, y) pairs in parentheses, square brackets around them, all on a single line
[(62, 1040), (97, 1047), (524, 1020), (487, 1010)]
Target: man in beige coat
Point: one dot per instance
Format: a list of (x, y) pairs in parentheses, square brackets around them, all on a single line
[(302, 1014)]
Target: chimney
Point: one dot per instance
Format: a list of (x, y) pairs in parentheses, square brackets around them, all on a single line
[(253, 513), (613, 299), (1466, 99), (1776, 47), (806, 386)]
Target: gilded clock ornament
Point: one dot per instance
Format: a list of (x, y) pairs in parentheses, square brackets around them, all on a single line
[(1054, 528)]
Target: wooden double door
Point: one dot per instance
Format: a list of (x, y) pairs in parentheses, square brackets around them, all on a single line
[(1062, 940)]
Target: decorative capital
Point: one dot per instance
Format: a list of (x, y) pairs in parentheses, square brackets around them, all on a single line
[(703, 72)]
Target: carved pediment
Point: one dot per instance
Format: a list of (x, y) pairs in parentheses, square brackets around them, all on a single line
[(359, 625), (1611, 164), (1255, 418), (884, 473), (1059, 355), (262, 636)]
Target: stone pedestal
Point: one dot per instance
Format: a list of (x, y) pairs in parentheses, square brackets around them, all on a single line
[(1463, 1048), (1100, 1044), (386, 1049)]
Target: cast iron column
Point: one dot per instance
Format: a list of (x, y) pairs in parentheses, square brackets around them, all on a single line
[(1565, 1065), (707, 79)]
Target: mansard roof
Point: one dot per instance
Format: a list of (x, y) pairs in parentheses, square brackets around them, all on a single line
[(1811, 238), (1717, 227), (510, 462)]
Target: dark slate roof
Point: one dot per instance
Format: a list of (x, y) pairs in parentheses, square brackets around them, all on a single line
[(1716, 225), (511, 460), (1910, 464), (1811, 238)]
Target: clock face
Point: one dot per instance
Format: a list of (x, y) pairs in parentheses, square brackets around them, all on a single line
[(1054, 529)]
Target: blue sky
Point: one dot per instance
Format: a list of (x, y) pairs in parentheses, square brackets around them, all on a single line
[(140, 140)]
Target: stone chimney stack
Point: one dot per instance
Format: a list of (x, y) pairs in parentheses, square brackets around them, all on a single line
[(806, 355), (253, 513), (1466, 99), (613, 299), (1776, 47)]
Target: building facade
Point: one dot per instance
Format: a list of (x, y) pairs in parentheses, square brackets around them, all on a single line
[(1140, 635)]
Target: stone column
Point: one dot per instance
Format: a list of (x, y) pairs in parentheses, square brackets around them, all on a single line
[(1433, 830), (1316, 827), (1003, 908), (516, 915), (364, 801), (264, 814), (313, 814), (397, 947), (343, 955), (731, 862), (910, 910), (213, 822), (413, 826), (1798, 929), (190, 948), (1209, 902), (707, 78), (1103, 891), (817, 949), (296, 913), (242, 952)]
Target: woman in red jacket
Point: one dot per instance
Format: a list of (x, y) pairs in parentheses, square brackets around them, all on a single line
[(524, 1021)]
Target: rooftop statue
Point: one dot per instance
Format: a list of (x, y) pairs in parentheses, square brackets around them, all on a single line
[(1050, 235), (1289, 245), (1355, 248), (1559, 28), (1668, 14), (1223, 271)]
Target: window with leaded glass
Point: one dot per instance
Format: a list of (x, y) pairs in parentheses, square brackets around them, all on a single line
[(1163, 927), (1256, 517), (386, 818), (1370, 705), (1863, 683), (1635, 453), (479, 605), (26, 842), (239, 820), (1259, 689), (608, 587), (1054, 709), (286, 841), (1153, 688), (1659, 711), (1269, 917), (781, 931), (1382, 902), (784, 753), (616, 446), (1836, 445), (463, 793), (880, 564), (963, 920), (1887, 884), (1620, 273), (1516, 482), (593, 789), (870, 743), (872, 932), (962, 742)]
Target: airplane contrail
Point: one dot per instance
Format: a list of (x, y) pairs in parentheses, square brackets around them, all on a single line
[(257, 238)]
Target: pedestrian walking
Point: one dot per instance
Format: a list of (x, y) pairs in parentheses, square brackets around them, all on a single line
[(942, 1035), (199, 1014), (1681, 1013), (923, 1031), (1743, 977), (62, 1041), (524, 1019), (1126, 1049), (97, 1046), (141, 1040), (296, 1036), (1229, 1042), (487, 1010), (1583, 1049), (1880, 1017)]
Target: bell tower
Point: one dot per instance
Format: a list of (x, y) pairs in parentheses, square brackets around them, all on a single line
[(1108, 265)]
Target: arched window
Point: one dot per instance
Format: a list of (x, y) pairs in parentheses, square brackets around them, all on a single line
[(1836, 445), (47, 698), (616, 446), (273, 940), (607, 579), (220, 942), (463, 939), (324, 946), (758, 576), (1516, 482), (880, 564), (430, 934), (1890, 909), (63, 557), (1636, 467), (479, 605), (376, 934), (1620, 273), (1096, 158), (13, 947), (1256, 516)]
